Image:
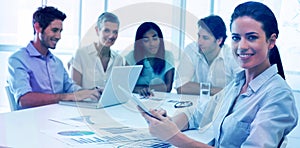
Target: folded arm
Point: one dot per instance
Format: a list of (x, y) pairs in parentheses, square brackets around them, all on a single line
[(193, 88)]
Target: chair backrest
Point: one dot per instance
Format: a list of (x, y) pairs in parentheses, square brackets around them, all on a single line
[(283, 142), (11, 99)]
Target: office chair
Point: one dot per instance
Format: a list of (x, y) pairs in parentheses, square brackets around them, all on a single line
[(11, 99), (283, 143)]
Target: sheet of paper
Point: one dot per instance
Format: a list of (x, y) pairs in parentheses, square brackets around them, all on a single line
[(74, 121), (87, 120), (89, 136)]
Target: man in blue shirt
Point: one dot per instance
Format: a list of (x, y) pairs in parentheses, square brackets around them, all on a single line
[(36, 76)]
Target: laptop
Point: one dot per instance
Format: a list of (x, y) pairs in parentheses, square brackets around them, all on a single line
[(124, 76)]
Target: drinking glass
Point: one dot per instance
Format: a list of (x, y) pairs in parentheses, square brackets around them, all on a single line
[(204, 90)]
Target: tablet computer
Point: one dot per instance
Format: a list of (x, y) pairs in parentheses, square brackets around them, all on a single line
[(137, 102)]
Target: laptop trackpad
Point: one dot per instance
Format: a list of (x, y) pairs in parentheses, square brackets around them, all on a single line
[(89, 100)]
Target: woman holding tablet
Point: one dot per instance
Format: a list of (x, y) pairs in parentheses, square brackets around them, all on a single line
[(258, 107)]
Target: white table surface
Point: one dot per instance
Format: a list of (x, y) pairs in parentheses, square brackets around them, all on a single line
[(26, 128)]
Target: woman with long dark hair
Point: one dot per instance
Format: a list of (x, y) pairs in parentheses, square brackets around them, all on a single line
[(158, 63), (257, 108)]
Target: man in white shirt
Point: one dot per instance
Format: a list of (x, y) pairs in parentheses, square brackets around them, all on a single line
[(208, 60)]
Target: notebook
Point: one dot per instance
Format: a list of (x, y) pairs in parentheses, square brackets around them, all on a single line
[(124, 76)]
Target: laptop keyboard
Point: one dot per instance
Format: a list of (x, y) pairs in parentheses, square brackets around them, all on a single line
[(89, 100)]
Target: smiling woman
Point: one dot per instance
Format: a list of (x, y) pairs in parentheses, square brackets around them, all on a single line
[(257, 102), (179, 28), (81, 16), (251, 38), (249, 43), (92, 64)]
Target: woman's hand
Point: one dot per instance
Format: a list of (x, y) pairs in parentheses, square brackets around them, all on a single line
[(146, 92), (161, 126)]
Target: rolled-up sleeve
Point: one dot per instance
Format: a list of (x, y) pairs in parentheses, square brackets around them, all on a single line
[(18, 78), (194, 117)]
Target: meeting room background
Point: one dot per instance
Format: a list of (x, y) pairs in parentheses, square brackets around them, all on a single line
[(177, 19)]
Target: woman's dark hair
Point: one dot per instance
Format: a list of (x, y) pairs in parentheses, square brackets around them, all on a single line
[(215, 25), (158, 63), (45, 15), (264, 15)]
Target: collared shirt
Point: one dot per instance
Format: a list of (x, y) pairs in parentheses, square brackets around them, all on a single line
[(260, 117), (87, 62), (194, 68), (29, 71), (148, 77)]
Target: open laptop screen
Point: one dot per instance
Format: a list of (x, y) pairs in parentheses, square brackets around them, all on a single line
[(124, 76)]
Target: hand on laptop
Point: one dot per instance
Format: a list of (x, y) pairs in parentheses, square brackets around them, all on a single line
[(146, 92), (100, 89), (84, 94)]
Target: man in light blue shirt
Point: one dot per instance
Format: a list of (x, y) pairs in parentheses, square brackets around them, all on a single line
[(36, 76)]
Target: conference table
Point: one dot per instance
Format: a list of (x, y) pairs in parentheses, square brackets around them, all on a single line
[(68, 126)]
